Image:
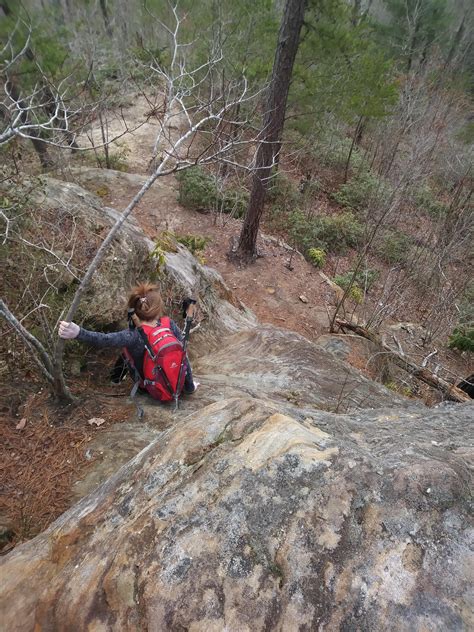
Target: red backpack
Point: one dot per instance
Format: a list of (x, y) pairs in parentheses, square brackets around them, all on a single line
[(164, 361)]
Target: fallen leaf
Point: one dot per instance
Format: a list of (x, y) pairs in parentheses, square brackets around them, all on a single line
[(96, 421), (21, 424)]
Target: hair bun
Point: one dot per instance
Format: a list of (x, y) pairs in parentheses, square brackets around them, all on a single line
[(146, 300)]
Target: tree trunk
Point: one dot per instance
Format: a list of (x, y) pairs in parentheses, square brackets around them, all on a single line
[(355, 140), (105, 15), (273, 122), (40, 146)]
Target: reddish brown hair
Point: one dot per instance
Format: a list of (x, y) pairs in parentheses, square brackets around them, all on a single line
[(145, 299)]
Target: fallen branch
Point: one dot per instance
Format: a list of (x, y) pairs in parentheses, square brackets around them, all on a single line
[(451, 391), (430, 355)]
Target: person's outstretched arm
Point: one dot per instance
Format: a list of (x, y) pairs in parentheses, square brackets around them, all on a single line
[(124, 338)]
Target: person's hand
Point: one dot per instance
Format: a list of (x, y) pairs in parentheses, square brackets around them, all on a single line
[(68, 330)]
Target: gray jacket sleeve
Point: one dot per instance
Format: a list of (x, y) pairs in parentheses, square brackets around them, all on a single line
[(125, 338)]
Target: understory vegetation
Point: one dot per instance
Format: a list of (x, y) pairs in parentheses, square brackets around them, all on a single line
[(201, 191), (374, 181)]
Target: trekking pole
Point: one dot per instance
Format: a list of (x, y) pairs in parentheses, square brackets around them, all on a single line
[(190, 307)]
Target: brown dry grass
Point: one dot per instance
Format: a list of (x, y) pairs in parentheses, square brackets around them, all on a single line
[(40, 462)]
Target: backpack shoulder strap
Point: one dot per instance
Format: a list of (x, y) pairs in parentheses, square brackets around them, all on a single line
[(165, 322), (146, 341)]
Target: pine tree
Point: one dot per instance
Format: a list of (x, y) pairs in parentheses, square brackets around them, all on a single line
[(273, 122)]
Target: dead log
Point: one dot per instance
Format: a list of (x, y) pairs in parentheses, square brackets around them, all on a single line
[(451, 391)]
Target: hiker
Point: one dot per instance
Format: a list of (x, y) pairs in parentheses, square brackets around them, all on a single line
[(145, 309)]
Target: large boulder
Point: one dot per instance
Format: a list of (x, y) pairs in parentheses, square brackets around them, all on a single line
[(278, 365), (242, 518), (84, 224), (128, 260)]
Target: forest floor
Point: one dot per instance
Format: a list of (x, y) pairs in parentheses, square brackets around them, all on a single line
[(41, 463)]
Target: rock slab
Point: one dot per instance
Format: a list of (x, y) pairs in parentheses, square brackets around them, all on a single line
[(242, 518)]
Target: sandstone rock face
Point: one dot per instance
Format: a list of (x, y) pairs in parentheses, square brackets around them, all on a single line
[(266, 363), (128, 261), (242, 518), (281, 366)]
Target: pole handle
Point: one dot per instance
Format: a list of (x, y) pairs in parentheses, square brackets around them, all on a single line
[(191, 310)]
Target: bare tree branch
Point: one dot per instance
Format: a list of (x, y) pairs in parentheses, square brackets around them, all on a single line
[(46, 363)]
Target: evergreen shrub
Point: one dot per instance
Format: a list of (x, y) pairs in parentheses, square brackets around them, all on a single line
[(334, 151), (317, 256), (283, 192), (198, 191), (333, 233), (359, 285), (364, 279), (194, 243), (342, 231), (395, 247), (361, 190), (426, 201), (462, 339), (117, 159), (356, 294)]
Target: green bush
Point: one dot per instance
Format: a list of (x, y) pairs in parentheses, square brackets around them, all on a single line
[(233, 201), (333, 233), (462, 339), (117, 159), (194, 243), (158, 255), (466, 307), (198, 191), (362, 190), (343, 280), (356, 294), (426, 201), (339, 232), (333, 151), (166, 241), (283, 192), (395, 247), (317, 256), (301, 230)]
